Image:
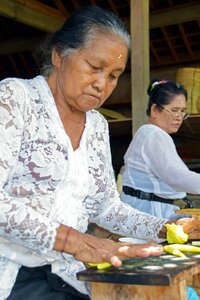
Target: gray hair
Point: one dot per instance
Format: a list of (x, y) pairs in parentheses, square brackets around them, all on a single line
[(77, 33)]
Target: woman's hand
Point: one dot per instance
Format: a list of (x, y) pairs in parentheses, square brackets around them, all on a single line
[(89, 249)]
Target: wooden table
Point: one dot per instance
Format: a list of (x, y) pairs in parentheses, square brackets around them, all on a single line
[(153, 278), (194, 212)]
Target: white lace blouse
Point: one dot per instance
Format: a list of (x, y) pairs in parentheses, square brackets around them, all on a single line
[(45, 183)]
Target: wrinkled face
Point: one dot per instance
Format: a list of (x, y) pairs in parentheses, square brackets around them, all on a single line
[(171, 116), (87, 78)]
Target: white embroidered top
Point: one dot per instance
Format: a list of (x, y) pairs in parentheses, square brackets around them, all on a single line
[(45, 183), (153, 165)]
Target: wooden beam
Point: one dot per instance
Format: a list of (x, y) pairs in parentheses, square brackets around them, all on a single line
[(30, 16), (47, 19), (175, 16), (139, 60), (172, 16), (168, 62), (186, 41), (61, 8), (153, 50), (169, 43), (41, 7)]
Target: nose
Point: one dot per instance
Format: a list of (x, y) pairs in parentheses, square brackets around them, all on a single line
[(99, 83)]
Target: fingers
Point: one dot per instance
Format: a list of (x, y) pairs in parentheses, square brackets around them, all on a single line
[(126, 250), (140, 250), (154, 250), (114, 260)]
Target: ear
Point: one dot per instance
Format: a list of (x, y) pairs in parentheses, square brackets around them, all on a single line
[(154, 110), (55, 58)]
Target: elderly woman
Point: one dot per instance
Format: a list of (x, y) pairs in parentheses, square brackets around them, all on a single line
[(56, 173)]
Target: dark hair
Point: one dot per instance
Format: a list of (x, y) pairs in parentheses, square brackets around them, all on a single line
[(78, 31), (161, 93)]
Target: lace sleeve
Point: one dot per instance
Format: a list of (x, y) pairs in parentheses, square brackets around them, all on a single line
[(19, 223), (176, 174), (107, 211)]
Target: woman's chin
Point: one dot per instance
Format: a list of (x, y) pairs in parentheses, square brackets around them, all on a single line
[(172, 130)]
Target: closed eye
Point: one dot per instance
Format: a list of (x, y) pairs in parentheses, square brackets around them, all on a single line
[(177, 110), (113, 77), (96, 68)]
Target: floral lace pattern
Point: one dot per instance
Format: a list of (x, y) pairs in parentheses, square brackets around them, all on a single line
[(39, 176)]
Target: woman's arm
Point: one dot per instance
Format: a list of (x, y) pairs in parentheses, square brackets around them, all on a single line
[(89, 249), (105, 207), (167, 164)]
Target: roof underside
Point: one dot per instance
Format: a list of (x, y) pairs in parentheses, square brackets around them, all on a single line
[(174, 30)]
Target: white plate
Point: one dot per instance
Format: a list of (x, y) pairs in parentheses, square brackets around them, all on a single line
[(195, 243), (132, 240)]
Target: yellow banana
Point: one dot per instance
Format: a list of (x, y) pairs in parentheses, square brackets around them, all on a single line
[(174, 251), (175, 234), (185, 248), (100, 266)]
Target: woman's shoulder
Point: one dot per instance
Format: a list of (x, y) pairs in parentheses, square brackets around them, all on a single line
[(14, 85), (11, 82), (151, 132), (150, 129), (12, 91), (147, 129), (18, 91), (14, 82), (21, 89)]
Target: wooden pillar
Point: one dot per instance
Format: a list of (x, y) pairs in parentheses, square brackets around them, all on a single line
[(139, 25)]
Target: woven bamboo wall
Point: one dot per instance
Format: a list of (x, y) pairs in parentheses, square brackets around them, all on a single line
[(190, 78)]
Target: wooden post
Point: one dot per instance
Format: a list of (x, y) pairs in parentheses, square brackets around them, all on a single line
[(139, 24)]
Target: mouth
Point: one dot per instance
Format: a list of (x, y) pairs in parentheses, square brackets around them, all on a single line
[(95, 99), (177, 125)]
